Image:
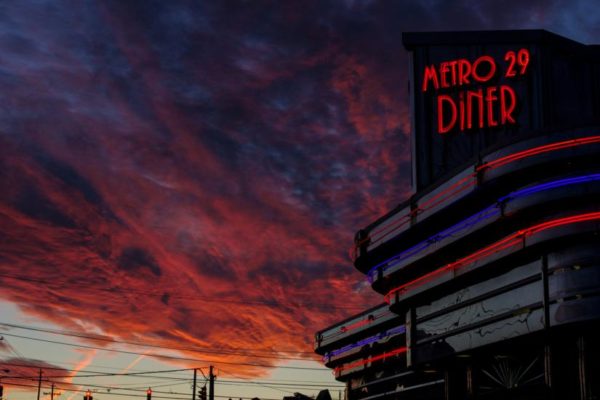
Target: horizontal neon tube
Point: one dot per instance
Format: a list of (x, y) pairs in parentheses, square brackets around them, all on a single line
[(549, 185), (356, 325), (371, 318), (471, 180), (486, 213), (538, 150), (511, 240), (369, 340), (392, 353), (448, 193), (472, 220)]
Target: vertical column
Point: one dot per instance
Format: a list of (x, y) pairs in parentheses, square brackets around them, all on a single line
[(455, 382), (547, 344), (410, 318), (470, 386), (584, 377), (546, 293), (447, 385), (548, 369)]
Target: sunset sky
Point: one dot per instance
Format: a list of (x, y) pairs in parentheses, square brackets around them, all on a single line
[(184, 178)]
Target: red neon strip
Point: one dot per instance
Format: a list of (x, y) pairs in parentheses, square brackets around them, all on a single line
[(363, 322), (355, 364), (500, 245), (355, 325), (457, 189), (428, 277), (538, 150), (406, 218), (563, 221), (449, 189)]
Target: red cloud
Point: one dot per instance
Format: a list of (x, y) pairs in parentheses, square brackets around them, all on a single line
[(194, 177)]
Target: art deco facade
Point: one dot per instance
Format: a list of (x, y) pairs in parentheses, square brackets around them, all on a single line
[(490, 272)]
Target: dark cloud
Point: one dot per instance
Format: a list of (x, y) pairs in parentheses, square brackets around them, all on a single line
[(67, 174), (35, 205), (132, 259), (171, 158)]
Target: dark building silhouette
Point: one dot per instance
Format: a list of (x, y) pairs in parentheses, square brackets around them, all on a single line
[(297, 396), (324, 395), (490, 272)]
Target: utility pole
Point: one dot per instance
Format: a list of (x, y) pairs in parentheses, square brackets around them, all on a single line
[(4, 371), (39, 384), (194, 389), (52, 393), (211, 377)]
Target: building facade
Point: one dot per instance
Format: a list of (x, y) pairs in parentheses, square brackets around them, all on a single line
[(490, 272)]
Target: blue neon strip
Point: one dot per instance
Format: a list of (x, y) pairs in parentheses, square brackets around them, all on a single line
[(467, 223), (549, 185), (369, 340), (486, 213)]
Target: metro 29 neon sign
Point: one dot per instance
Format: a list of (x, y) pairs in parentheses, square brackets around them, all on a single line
[(486, 106)]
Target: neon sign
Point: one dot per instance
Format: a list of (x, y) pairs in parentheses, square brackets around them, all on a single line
[(480, 107)]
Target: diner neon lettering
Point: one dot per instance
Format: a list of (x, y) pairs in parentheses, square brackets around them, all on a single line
[(475, 108)]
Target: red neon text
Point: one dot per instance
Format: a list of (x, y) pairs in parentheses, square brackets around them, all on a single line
[(459, 72), (477, 108)]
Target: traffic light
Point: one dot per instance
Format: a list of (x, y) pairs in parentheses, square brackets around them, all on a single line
[(88, 395), (149, 394), (1, 391), (203, 393)]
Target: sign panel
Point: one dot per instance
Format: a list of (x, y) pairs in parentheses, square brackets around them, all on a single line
[(475, 91)]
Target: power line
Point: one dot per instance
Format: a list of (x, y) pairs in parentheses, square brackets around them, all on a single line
[(307, 385), (163, 355), (290, 383), (279, 386), (99, 373), (54, 362), (193, 349), (269, 385), (274, 387), (108, 387), (144, 385), (225, 396), (83, 391)]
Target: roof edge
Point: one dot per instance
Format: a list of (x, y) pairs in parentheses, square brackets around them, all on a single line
[(414, 39)]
